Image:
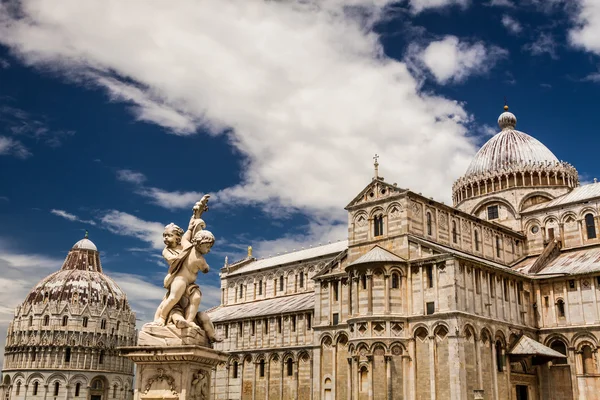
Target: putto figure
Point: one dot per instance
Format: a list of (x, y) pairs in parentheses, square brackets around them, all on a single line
[(184, 252)]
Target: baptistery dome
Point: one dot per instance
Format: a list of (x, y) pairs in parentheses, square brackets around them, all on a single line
[(63, 339)]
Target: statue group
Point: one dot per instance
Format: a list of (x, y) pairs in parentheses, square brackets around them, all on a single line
[(178, 311)]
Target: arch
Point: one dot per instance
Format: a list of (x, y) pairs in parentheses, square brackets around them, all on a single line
[(341, 337), (494, 199), (587, 210), (390, 208), (273, 357), (377, 210), (326, 336), (468, 329), (534, 194), (6, 381), (582, 337), (56, 376), (550, 219), (566, 215), (79, 378), (418, 326), (248, 358), (397, 348), (362, 346), (379, 345), (35, 376), (555, 336), (289, 354), (441, 331), (486, 334), (530, 222), (304, 356), (421, 332)]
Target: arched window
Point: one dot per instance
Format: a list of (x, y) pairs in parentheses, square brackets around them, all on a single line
[(46, 320), (429, 230), (590, 226), (395, 280), (301, 282), (115, 391), (77, 389), (68, 354), (118, 326), (476, 234), (587, 360), (85, 322), (364, 281), (499, 357), (281, 283), (498, 244), (97, 384), (35, 388), (241, 291), (103, 324), (260, 287), (290, 367), (18, 391), (235, 370), (31, 320), (558, 345), (262, 368), (454, 232), (378, 225), (65, 320), (101, 357), (364, 379), (33, 355), (56, 388), (560, 305)]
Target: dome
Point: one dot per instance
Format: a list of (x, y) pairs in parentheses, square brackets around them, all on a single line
[(510, 148), (85, 244)]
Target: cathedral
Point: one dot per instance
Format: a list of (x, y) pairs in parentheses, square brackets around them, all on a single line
[(62, 343), (495, 297)]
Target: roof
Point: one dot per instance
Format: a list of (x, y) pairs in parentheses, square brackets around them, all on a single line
[(526, 346), (579, 261), (306, 254), (576, 195), (377, 254), (85, 244), (509, 147), (278, 305)]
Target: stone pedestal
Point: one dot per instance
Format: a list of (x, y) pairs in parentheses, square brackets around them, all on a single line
[(173, 372)]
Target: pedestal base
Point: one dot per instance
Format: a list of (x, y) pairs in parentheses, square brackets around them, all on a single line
[(174, 372)]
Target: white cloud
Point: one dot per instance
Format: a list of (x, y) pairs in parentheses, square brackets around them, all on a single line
[(71, 217), (512, 25), (544, 44), (127, 175), (126, 224), (586, 33), (4, 64), (170, 200), (304, 87), (10, 146), (418, 6), (451, 61)]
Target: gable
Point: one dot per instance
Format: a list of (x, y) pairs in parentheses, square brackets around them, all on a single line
[(375, 191)]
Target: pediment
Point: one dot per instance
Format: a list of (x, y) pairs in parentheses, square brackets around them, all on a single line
[(378, 189)]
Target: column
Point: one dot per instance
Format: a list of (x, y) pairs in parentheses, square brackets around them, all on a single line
[(254, 381), (494, 370), (432, 366), (371, 376), (268, 376), (478, 362), (350, 372), (296, 377), (409, 291), (370, 292), (312, 383), (281, 380), (356, 292), (413, 367), (330, 316), (356, 377), (422, 287), (388, 377), (350, 306), (334, 370)]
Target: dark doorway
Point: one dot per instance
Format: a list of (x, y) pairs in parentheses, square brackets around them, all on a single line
[(98, 397), (521, 392)]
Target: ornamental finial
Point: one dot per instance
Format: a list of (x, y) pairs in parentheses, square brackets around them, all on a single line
[(86, 234), (376, 164)]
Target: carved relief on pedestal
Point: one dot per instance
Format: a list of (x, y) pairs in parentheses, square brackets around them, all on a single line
[(199, 388), (161, 385)]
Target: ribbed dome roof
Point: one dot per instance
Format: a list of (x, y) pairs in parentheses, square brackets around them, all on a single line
[(79, 280), (509, 147)]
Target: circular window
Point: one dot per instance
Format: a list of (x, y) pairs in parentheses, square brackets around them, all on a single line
[(382, 191), (371, 194), (535, 229)]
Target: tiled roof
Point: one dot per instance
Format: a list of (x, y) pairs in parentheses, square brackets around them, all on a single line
[(377, 254), (526, 346), (580, 261), (275, 306), (578, 194), (306, 254)]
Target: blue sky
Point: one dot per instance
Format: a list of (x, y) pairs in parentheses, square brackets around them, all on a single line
[(117, 116)]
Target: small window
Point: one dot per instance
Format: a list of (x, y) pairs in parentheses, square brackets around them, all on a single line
[(261, 368), (505, 289), (454, 232), (68, 354), (430, 308), (235, 370), (85, 322), (226, 331), (101, 357), (290, 367), (77, 389), (18, 388), (56, 388), (308, 321), (499, 357), (266, 326), (65, 320), (590, 226), (240, 329), (118, 326), (395, 281), (35, 388), (550, 233), (279, 324), (559, 346), (477, 282), (103, 324), (492, 212), (241, 291), (293, 318), (492, 286), (336, 318), (378, 225), (560, 305), (519, 293), (31, 317), (364, 281), (46, 320), (598, 282), (301, 279), (114, 394), (260, 287), (429, 229), (335, 291), (33, 355), (571, 283), (281, 283), (476, 234), (104, 298), (430, 276), (252, 328)]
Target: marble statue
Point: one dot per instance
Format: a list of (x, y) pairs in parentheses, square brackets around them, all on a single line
[(184, 252)]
